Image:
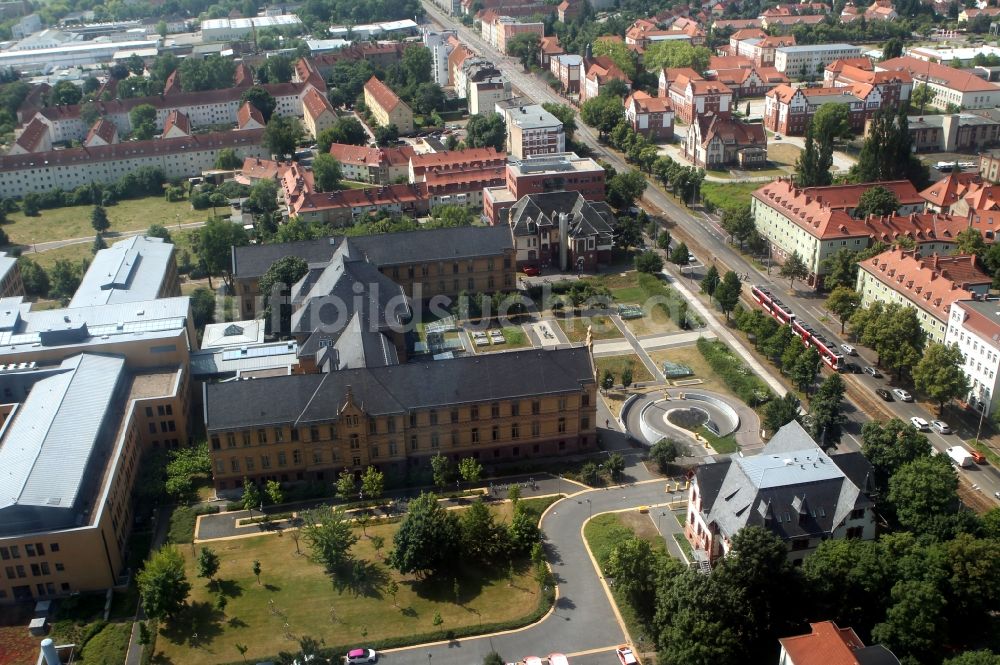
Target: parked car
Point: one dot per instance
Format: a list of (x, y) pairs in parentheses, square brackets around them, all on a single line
[(692, 259), (871, 371), (920, 423), (978, 457), (941, 426), (625, 656), (902, 395), (355, 656), (777, 137), (849, 350), (852, 368), (884, 394), (530, 271)]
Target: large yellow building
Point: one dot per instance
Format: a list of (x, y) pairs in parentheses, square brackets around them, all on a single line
[(70, 448), (386, 106), (497, 408)]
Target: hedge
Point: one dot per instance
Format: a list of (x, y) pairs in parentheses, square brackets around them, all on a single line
[(740, 378)]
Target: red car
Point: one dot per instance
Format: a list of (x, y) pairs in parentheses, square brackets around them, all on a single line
[(531, 271)]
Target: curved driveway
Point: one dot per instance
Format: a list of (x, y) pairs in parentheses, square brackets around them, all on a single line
[(583, 625)]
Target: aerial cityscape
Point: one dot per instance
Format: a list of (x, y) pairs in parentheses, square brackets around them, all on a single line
[(500, 332)]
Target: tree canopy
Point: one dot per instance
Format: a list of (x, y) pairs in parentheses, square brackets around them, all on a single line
[(428, 538), (486, 130)]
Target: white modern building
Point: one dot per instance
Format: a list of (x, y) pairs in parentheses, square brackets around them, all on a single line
[(132, 270), (975, 326), (440, 46), (231, 29), (69, 55), (811, 58)]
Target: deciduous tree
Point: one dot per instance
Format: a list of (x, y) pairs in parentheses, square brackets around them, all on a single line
[(326, 173), (794, 268), (877, 201), (843, 301), (162, 583), (428, 538), (330, 536), (940, 374), (781, 411), (486, 130)]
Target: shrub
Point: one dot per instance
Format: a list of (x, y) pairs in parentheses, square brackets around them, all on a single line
[(740, 379)]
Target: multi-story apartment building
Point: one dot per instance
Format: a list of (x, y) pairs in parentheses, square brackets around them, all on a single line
[(816, 222), (430, 164), (64, 526), (894, 87), (440, 44), (811, 59), (597, 72), (567, 68), (951, 87), (342, 208), (311, 427), (788, 110), (653, 117), (743, 77), (974, 325), (379, 166), (929, 284), (386, 106), (317, 112), (715, 141), (545, 173), (755, 45), (507, 30), (531, 130), (989, 166), (793, 489), (954, 132), (70, 168), (483, 95)]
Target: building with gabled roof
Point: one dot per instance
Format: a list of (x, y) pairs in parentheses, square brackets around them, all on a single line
[(561, 230), (103, 132), (792, 488), (949, 190), (974, 325), (378, 166), (35, 137), (929, 284), (955, 87), (177, 125), (317, 112), (397, 417), (692, 96), (653, 117), (598, 71), (429, 164), (828, 644), (715, 141), (249, 117), (743, 77), (386, 106)]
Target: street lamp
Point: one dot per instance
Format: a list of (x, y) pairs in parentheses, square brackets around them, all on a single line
[(429, 656), (590, 507)]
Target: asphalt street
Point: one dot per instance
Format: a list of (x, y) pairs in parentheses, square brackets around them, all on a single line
[(708, 241), (583, 624)]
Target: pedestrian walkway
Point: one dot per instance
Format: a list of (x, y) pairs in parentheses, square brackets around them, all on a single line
[(723, 333), (639, 351), (657, 342)]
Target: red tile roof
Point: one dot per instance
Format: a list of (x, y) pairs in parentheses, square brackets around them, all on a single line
[(247, 113), (315, 103), (825, 645), (360, 154), (932, 282), (603, 69), (172, 85), (747, 33), (177, 119), (860, 63), (950, 189), (242, 75), (730, 131), (382, 94), (646, 104), (256, 168), (465, 180), (776, 41), (306, 70), (103, 129), (812, 19), (956, 79), (32, 135), (452, 159), (729, 62), (360, 198), (550, 45), (736, 24), (132, 149)]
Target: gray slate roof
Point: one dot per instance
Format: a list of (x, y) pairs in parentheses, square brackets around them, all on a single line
[(543, 210), (791, 488), (397, 389), (381, 250)]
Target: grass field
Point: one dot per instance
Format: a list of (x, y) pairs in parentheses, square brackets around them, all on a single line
[(85, 251), (602, 327), (603, 533), (781, 153), (618, 363), (74, 222), (722, 444), (313, 603), (656, 321), (722, 195), (689, 355)]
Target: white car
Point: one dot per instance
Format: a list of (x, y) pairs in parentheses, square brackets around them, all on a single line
[(626, 656), (920, 423), (849, 350), (902, 395), (355, 656), (941, 426)]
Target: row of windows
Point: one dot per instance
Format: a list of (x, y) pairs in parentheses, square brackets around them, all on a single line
[(46, 589), (496, 434), (18, 571), (30, 550)]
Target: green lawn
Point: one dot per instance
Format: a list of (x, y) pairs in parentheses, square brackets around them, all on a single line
[(74, 222), (724, 194), (722, 444), (298, 593), (618, 363), (602, 327)]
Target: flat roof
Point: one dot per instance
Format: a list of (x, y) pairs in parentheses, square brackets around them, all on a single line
[(233, 333), (533, 116), (131, 270), (801, 48)]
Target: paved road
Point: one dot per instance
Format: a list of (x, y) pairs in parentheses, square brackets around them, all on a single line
[(582, 624), (706, 238)]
